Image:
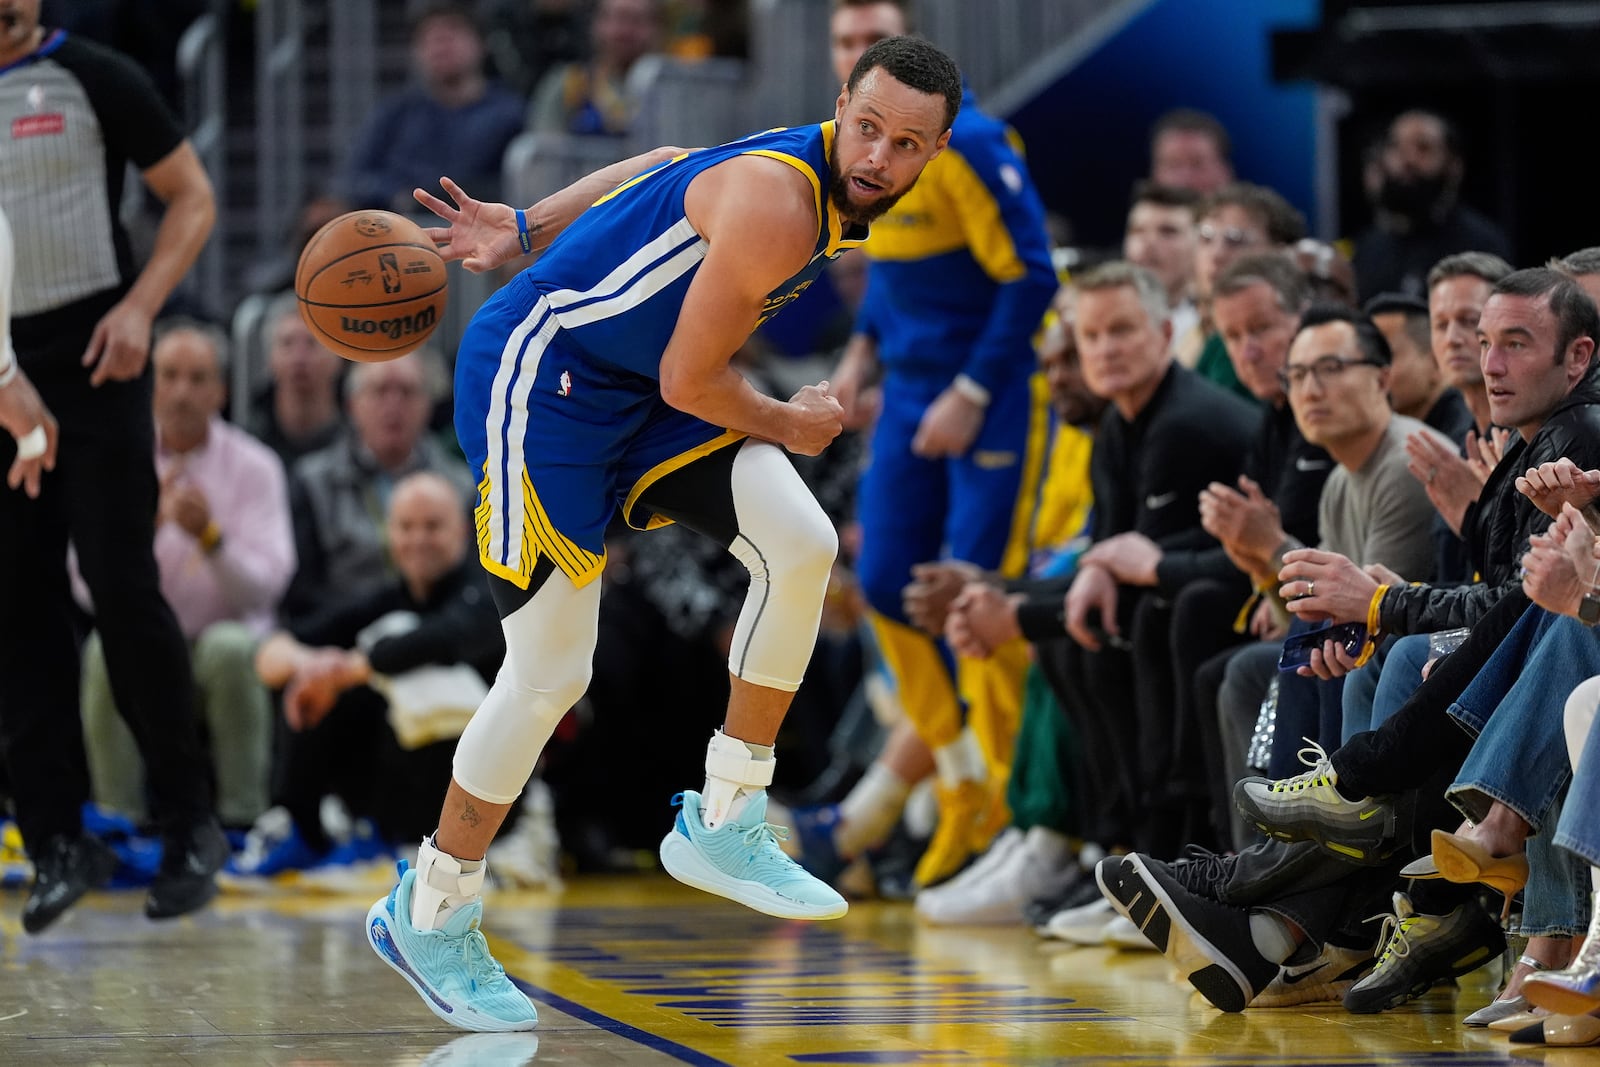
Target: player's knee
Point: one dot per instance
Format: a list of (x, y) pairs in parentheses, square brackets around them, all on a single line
[(815, 546), (798, 548), (545, 690)]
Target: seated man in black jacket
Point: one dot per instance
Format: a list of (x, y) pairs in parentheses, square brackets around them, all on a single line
[(1372, 804), (1166, 435), (377, 689)]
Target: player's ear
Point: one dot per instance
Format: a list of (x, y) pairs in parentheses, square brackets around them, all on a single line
[(938, 146), (838, 105)]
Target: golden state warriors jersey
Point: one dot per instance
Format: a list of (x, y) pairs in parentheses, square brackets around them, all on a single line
[(616, 278)]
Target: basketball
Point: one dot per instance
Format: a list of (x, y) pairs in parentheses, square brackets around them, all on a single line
[(371, 286)]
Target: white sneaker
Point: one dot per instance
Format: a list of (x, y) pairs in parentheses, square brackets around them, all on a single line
[(1085, 925), (998, 854), (1323, 979), (1000, 895), (529, 857), (1122, 933)]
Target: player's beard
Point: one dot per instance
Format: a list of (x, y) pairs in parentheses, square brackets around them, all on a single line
[(839, 193)]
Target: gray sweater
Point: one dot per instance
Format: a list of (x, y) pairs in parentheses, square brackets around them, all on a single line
[(1381, 513)]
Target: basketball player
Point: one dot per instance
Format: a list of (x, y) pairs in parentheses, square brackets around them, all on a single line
[(22, 413), (601, 375), (960, 278)]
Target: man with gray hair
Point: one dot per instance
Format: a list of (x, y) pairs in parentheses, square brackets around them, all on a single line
[(1166, 435), (338, 495), (225, 549)]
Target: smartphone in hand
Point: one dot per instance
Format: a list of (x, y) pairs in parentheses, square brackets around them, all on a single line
[(1297, 647)]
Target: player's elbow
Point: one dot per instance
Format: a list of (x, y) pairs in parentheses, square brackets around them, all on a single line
[(677, 387)]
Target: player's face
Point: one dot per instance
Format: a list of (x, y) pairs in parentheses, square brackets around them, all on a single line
[(886, 133), (427, 531), (1069, 393), (853, 30)]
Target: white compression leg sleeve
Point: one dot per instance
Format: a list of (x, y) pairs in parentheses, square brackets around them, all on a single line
[(787, 543), (549, 656)]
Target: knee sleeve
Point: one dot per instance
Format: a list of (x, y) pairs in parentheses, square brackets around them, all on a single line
[(549, 657), (787, 543)]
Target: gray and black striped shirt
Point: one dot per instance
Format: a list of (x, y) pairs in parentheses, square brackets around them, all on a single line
[(73, 114)]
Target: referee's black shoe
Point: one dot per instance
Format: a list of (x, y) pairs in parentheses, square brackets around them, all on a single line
[(65, 869), (187, 878)]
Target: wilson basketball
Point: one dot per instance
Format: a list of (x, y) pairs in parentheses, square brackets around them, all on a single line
[(371, 286)]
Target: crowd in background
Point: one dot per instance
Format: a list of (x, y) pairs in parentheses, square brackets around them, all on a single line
[(1377, 455)]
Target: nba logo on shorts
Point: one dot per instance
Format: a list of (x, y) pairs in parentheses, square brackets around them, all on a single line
[(566, 383)]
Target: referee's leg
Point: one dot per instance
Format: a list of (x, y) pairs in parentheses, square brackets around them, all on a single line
[(111, 495)]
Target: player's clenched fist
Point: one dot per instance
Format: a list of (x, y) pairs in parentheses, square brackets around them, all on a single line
[(815, 420)]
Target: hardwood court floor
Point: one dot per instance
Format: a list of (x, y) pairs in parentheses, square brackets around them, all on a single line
[(644, 971)]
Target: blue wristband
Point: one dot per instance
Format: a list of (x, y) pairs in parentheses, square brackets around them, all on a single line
[(522, 232)]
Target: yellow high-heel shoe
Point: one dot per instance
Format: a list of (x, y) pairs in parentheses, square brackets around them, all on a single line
[(1461, 859)]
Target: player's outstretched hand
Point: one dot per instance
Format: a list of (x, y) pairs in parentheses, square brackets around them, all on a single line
[(816, 419), (481, 235)]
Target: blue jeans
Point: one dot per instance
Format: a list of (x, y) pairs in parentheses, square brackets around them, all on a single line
[(1520, 758), (1373, 694)]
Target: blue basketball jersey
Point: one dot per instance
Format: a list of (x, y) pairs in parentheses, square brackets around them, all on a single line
[(616, 278)]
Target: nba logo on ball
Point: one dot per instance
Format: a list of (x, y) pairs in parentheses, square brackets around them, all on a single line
[(371, 285)]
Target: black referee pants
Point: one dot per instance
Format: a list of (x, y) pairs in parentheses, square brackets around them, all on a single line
[(102, 499)]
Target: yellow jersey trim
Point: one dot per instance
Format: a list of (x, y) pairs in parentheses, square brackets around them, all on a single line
[(637, 178), (666, 467), (1019, 546), (539, 537)]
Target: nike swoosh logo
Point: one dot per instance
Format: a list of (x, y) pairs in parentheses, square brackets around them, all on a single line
[(1292, 977), (1154, 502), (1369, 814), (1303, 464)]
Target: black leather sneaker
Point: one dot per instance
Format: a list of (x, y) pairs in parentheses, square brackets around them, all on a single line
[(65, 869), (187, 878)]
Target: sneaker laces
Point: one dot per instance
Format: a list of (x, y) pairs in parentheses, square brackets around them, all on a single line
[(1320, 774), (481, 965), (1394, 934), (764, 836), (1197, 866)]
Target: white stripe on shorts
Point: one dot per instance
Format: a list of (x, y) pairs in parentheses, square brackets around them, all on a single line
[(506, 462)]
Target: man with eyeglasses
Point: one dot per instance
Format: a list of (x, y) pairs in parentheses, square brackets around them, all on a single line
[(1365, 809), (1239, 220)]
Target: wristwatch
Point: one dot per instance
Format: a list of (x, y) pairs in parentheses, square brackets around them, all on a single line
[(1589, 608)]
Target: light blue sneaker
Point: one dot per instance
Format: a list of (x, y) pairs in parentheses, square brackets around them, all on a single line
[(742, 861), (451, 968)]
